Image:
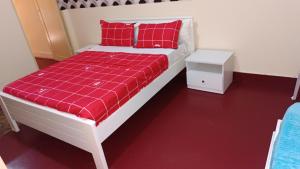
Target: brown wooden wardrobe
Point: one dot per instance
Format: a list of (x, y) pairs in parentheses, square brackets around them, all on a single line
[(44, 28)]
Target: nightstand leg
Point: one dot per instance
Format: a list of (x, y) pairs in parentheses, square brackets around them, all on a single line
[(294, 97)]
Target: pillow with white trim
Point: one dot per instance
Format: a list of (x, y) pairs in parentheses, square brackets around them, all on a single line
[(161, 35)]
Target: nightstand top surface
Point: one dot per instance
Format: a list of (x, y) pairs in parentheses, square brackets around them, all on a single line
[(217, 57)]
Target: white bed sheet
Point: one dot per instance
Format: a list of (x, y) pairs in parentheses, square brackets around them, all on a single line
[(172, 54)]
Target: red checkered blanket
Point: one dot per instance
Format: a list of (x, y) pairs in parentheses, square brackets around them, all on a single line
[(91, 84)]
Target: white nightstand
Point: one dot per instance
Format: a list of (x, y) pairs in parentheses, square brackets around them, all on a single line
[(209, 70), (84, 48)]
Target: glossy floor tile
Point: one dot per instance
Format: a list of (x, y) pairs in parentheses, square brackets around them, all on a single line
[(178, 129)]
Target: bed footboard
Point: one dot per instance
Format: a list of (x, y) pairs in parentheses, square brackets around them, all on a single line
[(66, 127), (12, 122)]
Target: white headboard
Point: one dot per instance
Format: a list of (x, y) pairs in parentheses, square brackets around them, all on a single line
[(186, 32)]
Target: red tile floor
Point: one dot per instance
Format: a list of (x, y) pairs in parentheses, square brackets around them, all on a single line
[(178, 129), (44, 62)]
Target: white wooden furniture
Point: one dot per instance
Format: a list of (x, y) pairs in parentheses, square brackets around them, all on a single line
[(294, 97), (86, 48), (83, 133), (274, 137), (209, 70)]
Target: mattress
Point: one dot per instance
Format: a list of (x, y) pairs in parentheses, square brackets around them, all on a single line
[(172, 54), (286, 152), (91, 84)]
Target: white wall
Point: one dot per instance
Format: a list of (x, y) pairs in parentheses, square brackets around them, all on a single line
[(265, 34), (15, 56)]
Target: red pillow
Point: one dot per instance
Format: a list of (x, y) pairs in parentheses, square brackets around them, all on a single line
[(117, 34), (163, 35)]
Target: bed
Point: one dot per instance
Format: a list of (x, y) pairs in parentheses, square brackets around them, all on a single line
[(284, 151), (84, 133), (271, 148)]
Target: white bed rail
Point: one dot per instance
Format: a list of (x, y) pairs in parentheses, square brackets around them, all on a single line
[(274, 137)]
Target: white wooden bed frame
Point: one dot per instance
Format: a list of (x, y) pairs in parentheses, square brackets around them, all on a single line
[(83, 133), (274, 137)]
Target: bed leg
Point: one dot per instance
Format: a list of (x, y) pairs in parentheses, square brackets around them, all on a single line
[(97, 151), (99, 158), (13, 124), (294, 97)]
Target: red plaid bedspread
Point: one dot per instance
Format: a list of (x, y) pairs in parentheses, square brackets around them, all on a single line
[(91, 84)]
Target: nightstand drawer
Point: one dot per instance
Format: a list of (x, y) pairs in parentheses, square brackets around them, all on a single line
[(206, 80)]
